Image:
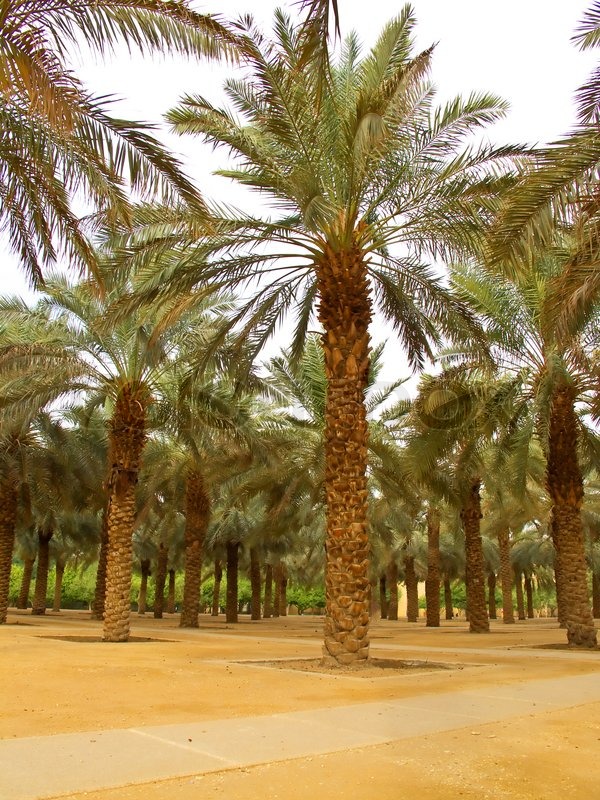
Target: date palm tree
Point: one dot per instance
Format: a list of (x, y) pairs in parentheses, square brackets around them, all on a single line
[(553, 374), (58, 141), (557, 191), (369, 180), (120, 366)]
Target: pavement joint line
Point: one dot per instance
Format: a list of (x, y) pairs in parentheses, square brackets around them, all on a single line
[(167, 741)]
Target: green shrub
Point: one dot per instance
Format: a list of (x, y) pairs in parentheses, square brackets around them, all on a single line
[(305, 598)]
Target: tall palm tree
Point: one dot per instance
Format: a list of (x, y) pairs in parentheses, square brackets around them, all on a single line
[(558, 190), (552, 373), (370, 179), (120, 366), (58, 140)]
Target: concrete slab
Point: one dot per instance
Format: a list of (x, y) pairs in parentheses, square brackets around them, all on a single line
[(69, 763)]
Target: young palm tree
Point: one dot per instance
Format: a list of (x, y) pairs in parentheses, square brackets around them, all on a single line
[(368, 179), (58, 140)]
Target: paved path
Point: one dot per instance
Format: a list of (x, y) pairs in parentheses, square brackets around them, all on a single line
[(50, 766)]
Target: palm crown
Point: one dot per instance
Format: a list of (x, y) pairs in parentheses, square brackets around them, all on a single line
[(58, 141)]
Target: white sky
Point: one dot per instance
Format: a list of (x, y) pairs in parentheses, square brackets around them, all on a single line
[(518, 49)]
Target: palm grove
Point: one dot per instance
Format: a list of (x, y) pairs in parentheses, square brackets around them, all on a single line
[(136, 416)]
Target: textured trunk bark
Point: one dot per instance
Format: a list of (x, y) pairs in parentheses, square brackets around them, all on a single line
[(449, 605), (412, 589), (561, 610), (145, 570), (162, 562), (171, 593), (345, 313), (383, 601), (565, 487), (529, 596), (196, 525), (508, 614), (596, 595), (58, 582), (474, 561), (392, 577), (519, 593), (231, 608), (127, 439), (276, 588), (255, 581), (268, 606), (8, 519), (491, 581), (41, 578), (432, 584), (283, 582), (216, 602), (100, 589), (23, 600)]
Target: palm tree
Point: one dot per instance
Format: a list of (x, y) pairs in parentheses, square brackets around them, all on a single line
[(11, 471), (558, 191), (120, 368), (26, 550), (59, 141), (370, 179), (551, 373)]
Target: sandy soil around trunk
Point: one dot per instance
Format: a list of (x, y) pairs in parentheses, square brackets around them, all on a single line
[(57, 677)]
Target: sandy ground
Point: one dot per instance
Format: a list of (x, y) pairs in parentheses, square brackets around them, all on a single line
[(57, 677)]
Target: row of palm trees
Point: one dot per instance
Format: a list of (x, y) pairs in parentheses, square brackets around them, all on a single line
[(368, 183)]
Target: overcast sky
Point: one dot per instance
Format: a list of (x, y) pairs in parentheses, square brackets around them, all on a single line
[(518, 49)]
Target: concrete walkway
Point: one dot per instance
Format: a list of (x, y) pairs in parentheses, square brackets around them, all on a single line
[(46, 767)]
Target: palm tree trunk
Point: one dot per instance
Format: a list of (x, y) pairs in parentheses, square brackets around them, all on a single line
[(383, 601), (196, 525), (41, 578), (171, 593), (492, 595), (432, 584), (345, 313), (565, 487), (162, 563), (216, 601), (276, 588), (100, 589), (255, 582), (474, 561), (8, 519), (268, 606), (23, 600), (449, 605), (412, 589), (231, 605), (58, 582), (519, 591), (508, 614), (145, 571), (596, 595), (561, 611), (127, 439), (392, 577), (529, 596), (283, 581)]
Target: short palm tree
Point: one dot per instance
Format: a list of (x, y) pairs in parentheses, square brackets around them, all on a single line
[(368, 180), (58, 140)]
